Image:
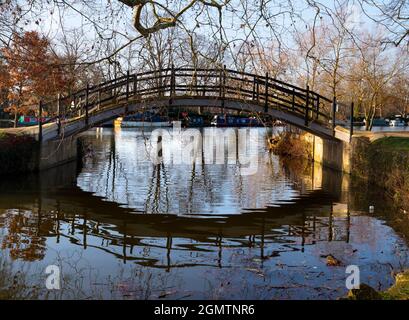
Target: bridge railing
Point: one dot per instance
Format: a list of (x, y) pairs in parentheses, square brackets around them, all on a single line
[(221, 83)]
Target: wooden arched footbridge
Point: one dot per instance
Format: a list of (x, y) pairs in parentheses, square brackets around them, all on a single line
[(223, 89)]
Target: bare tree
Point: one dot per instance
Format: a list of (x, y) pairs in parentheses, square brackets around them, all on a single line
[(370, 74)]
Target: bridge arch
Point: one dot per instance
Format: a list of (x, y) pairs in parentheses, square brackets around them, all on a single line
[(223, 89)]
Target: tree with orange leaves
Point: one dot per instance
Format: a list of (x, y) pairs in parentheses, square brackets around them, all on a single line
[(34, 73), (4, 85)]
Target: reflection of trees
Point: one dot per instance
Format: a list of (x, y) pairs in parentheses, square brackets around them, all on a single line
[(170, 241), (198, 188), (153, 199), (26, 234)]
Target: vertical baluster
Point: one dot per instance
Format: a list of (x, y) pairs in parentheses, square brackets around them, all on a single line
[(307, 105)]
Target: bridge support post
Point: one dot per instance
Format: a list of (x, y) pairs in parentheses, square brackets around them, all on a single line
[(135, 85), (293, 101), (73, 106), (86, 104), (258, 90), (40, 124), (223, 86), (99, 98), (127, 86), (220, 82), (224, 81), (59, 114), (254, 88), (266, 94), (334, 110), (318, 108), (307, 106), (127, 91), (172, 82)]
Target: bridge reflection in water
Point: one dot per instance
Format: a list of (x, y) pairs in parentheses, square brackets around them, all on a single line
[(275, 244)]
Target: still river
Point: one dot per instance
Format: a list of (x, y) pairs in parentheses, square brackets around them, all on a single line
[(122, 227)]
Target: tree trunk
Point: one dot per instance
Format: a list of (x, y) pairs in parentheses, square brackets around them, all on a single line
[(372, 119)]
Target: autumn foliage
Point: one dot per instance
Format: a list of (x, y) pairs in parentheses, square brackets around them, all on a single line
[(32, 72)]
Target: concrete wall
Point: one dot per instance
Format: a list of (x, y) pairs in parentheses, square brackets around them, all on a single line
[(331, 153), (57, 152)]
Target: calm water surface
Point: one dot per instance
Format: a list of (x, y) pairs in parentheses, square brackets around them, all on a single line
[(121, 227)]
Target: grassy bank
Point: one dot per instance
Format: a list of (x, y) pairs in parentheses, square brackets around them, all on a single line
[(385, 162), (392, 143), (17, 153), (399, 291)]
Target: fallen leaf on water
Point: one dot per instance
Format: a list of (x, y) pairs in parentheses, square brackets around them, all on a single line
[(332, 261)]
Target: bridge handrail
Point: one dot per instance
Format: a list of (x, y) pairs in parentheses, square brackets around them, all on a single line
[(158, 72), (218, 82)]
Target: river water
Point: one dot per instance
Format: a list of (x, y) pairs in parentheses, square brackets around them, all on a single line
[(120, 226)]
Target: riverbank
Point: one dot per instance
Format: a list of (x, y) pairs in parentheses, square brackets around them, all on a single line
[(381, 160), (291, 145), (18, 153), (399, 291)]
